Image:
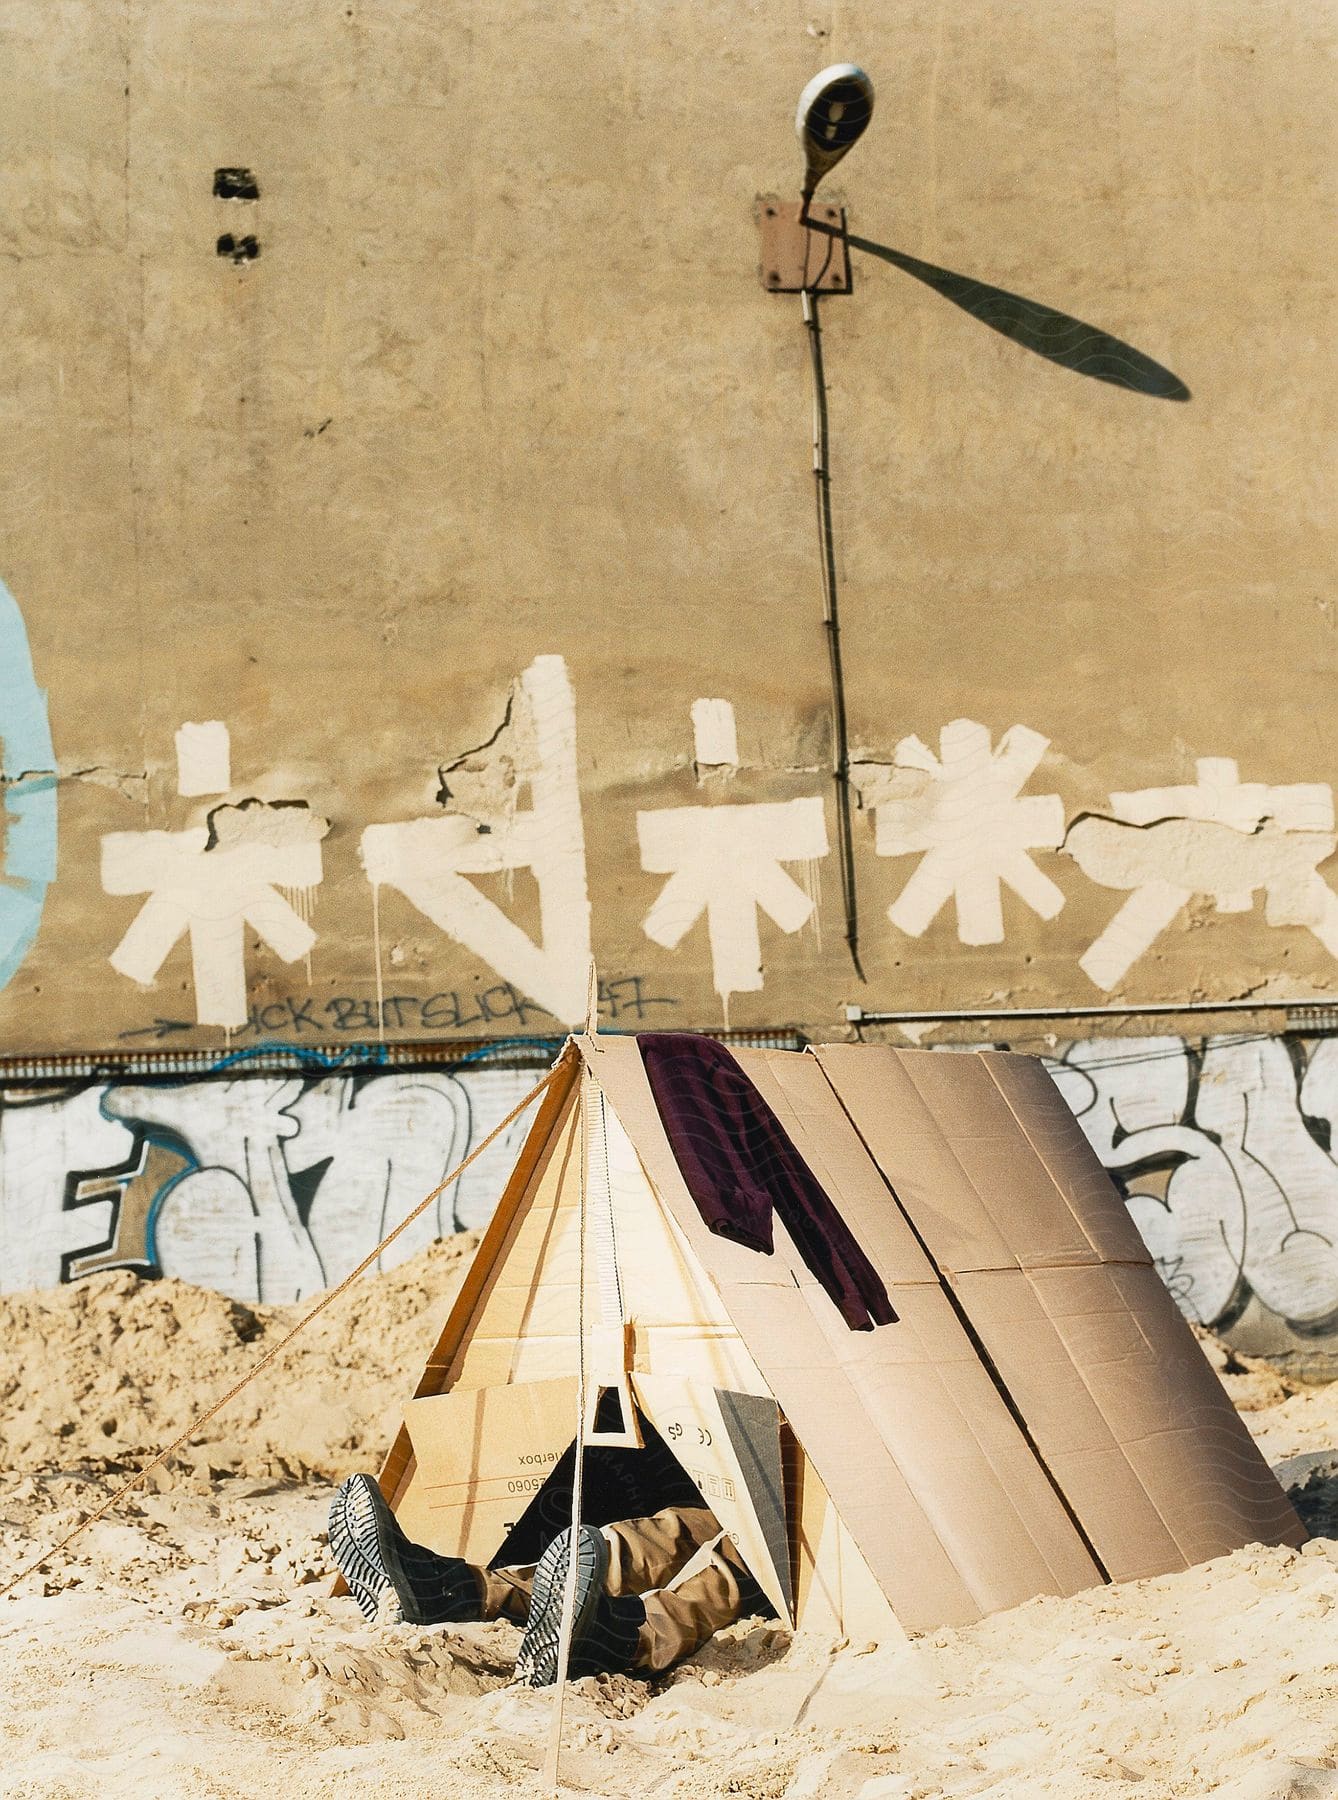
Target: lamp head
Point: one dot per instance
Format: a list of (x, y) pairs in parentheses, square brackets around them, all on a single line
[(834, 110)]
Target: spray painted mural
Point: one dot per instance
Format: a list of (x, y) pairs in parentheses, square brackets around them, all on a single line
[(720, 874), (961, 813), (267, 1188), (1225, 1150)]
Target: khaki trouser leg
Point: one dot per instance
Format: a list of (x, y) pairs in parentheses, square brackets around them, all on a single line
[(506, 1592), (648, 1553), (688, 1574), (702, 1599)]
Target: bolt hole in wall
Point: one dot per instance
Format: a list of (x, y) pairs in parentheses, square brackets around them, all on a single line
[(235, 184), (241, 250)]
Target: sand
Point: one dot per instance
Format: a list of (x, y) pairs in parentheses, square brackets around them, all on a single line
[(187, 1646)]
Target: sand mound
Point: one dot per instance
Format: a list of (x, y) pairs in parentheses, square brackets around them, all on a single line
[(187, 1646), (104, 1372), (1253, 1382)]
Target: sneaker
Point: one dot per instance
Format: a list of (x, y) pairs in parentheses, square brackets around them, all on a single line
[(604, 1627), (374, 1554)]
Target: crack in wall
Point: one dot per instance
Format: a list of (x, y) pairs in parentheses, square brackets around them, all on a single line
[(486, 787)]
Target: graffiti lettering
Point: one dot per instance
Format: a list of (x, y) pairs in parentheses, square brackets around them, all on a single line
[(486, 832), (1225, 1153), (211, 882), (293, 1018), (964, 814), (725, 864), (267, 1188)]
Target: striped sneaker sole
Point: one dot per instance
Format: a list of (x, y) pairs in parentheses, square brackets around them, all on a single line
[(355, 1544), (538, 1658)]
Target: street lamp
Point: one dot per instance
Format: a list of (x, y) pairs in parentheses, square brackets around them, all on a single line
[(806, 251), (834, 110)]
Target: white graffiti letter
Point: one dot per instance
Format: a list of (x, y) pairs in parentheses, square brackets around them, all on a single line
[(211, 882), (725, 861), (1222, 838), (964, 814), (429, 860)]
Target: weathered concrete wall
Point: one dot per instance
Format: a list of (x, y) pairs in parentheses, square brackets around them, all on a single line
[(499, 415)]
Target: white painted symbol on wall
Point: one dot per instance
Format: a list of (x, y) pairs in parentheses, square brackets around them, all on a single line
[(210, 882), (964, 814), (429, 860), (726, 862), (1222, 838)]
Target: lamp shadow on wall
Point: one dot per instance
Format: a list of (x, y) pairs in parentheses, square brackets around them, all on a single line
[(1054, 335)]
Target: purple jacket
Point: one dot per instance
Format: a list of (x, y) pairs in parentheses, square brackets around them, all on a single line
[(738, 1163)]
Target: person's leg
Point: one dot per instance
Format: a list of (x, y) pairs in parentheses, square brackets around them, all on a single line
[(713, 1591), (604, 1626), (625, 1632), (374, 1554), (648, 1553), (506, 1592)]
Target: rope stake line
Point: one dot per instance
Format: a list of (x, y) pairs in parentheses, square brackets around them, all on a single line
[(272, 1355), (567, 1618)]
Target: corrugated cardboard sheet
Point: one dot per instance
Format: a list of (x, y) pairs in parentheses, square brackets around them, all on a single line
[(1029, 1235), (936, 1483)]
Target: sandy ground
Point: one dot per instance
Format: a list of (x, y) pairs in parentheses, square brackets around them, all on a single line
[(187, 1645)]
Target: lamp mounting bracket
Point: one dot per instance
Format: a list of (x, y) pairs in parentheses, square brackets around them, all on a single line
[(796, 257)]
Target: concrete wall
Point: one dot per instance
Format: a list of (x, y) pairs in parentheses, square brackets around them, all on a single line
[(498, 441)]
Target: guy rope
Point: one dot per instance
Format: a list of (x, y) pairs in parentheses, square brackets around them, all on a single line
[(272, 1355)]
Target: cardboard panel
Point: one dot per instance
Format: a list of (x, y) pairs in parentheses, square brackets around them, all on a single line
[(543, 1141), (835, 1589), (754, 1427), (962, 1454), (480, 1457), (1065, 1422), (1102, 1371), (1173, 1419), (1072, 1164), (816, 1123), (528, 1301), (937, 1486), (999, 1172), (916, 1157)]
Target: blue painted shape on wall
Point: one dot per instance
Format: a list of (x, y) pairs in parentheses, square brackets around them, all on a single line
[(28, 763)]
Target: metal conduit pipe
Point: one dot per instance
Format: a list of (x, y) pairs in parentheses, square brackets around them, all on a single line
[(1323, 1007)]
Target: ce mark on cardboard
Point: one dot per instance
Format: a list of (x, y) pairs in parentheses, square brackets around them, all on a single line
[(676, 1431)]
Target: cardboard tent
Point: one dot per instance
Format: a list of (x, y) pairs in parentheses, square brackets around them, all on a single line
[(1037, 1420)]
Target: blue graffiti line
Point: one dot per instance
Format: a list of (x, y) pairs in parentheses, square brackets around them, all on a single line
[(28, 763), (168, 1141), (347, 1055), (354, 1056)]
